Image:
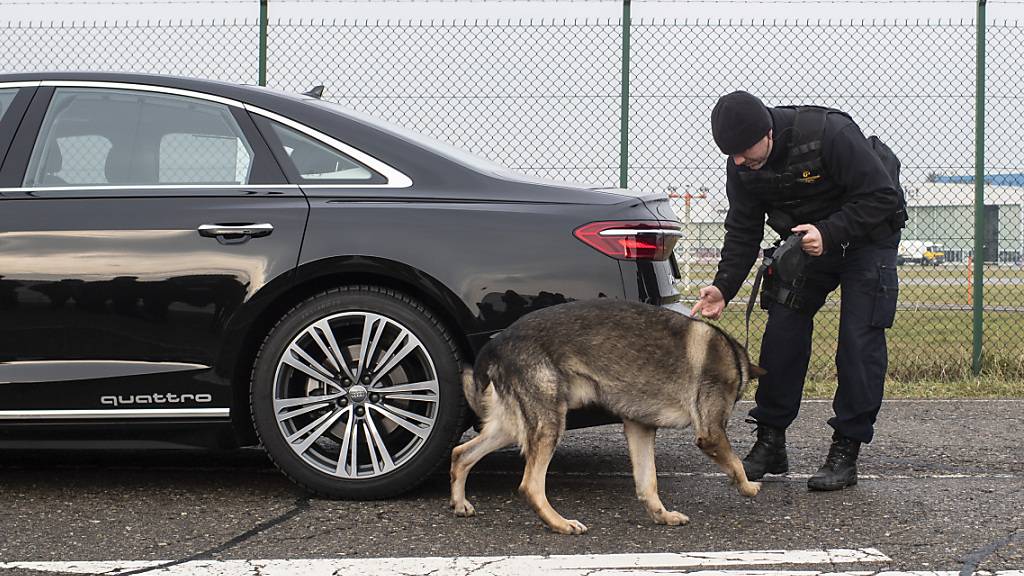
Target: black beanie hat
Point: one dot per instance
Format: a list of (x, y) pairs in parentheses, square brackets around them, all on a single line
[(739, 121)]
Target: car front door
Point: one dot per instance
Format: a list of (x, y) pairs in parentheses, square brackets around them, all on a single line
[(134, 223)]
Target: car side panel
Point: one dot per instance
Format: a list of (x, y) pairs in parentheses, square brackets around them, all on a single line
[(112, 300), (129, 283), (502, 260)]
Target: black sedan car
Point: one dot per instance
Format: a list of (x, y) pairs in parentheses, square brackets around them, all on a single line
[(188, 263)]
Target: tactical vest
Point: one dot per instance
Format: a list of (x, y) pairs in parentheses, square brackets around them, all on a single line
[(803, 192)]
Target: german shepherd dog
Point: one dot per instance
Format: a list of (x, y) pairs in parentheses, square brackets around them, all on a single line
[(649, 366)]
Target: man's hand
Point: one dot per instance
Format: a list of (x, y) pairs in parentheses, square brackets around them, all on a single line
[(711, 303), (811, 242)]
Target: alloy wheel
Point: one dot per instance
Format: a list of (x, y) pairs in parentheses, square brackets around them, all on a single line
[(355, 395)]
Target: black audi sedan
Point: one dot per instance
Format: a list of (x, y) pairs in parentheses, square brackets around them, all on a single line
[(190, 263)]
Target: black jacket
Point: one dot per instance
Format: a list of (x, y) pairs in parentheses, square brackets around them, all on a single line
[(869, 197)]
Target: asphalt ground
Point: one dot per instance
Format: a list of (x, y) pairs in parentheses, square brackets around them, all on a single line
[(941, 489)]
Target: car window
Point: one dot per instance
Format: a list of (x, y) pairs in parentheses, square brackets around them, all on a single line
[(83, 158), (127, 138), (314, 160), (203, 158), (472, 161), (6, 97)]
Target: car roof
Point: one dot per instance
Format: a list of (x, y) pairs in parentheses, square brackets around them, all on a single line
[(300, 107), (221, 88), (278, 101)]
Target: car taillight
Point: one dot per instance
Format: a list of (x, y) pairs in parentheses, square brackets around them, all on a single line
[(632, 239)]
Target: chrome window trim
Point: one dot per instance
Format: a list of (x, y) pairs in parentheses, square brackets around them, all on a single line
[(115, 413), (23, 84), (139, 88), (155, 187), (395, 178)]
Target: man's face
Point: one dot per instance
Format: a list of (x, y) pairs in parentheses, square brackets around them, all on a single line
[(756, 156)]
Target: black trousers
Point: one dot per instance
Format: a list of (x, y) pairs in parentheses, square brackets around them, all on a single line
[(867, 276)]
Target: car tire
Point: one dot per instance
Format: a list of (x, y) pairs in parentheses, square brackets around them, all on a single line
[(355, 393)]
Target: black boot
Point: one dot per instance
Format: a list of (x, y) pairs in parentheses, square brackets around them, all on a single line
[(768, 455), (840, 468)]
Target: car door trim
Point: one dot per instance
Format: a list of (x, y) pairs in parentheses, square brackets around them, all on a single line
[(115, 414), (29, 371), (395, 178)]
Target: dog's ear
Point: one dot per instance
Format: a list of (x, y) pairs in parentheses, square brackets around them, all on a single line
[(756, 371)]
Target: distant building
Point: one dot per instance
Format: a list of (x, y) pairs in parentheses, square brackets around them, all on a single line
[(942, 210)]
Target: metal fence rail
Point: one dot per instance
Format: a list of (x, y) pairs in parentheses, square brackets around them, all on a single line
[(547, 97)]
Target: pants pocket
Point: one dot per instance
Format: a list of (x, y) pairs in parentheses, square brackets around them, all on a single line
[(886, 293)]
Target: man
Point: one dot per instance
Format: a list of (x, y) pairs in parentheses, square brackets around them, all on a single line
[(811, 171)]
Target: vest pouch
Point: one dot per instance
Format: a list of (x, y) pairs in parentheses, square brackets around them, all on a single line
[(788, 294), (784, 278), (789, 260), (767, 291)]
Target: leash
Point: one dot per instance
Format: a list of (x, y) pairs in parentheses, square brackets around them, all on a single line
[(769, 258), (753, 297)]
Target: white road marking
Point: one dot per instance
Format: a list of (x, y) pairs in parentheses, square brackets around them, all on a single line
[(592, 564), (778, 573), (510, 566), (918, 401), (772, 478), (665, 564)]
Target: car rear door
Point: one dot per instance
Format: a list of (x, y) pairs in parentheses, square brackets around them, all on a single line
[(135, 221)]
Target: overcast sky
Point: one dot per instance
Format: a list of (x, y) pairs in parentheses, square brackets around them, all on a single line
[(537, 118), (90, 10)]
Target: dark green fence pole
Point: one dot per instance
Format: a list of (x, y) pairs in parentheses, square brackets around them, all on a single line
[(979, 194), (263, 42), (624, 125)]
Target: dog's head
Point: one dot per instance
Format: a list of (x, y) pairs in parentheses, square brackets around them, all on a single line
[(729, 347)]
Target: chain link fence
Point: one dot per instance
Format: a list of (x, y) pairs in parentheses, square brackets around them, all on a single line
[(545, 97)]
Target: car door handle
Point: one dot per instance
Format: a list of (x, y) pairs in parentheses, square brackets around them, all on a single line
[(235, 233)]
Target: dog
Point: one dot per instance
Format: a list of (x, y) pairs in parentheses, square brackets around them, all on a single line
[(651, 367)]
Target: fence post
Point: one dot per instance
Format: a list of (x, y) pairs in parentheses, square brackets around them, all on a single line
[(979, 193), (624, 123), (263, 43)]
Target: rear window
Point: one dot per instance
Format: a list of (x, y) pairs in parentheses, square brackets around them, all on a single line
[(6, 97), (467, 159), (315, 161)]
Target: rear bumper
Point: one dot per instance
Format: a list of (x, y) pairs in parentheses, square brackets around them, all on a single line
[(650, 282)]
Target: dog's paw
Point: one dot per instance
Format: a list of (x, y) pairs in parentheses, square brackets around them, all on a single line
[(750, 489), (671, 518), (570, 527), (463, 509)]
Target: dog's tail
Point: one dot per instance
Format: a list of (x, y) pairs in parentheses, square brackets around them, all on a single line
[(475, 385)]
